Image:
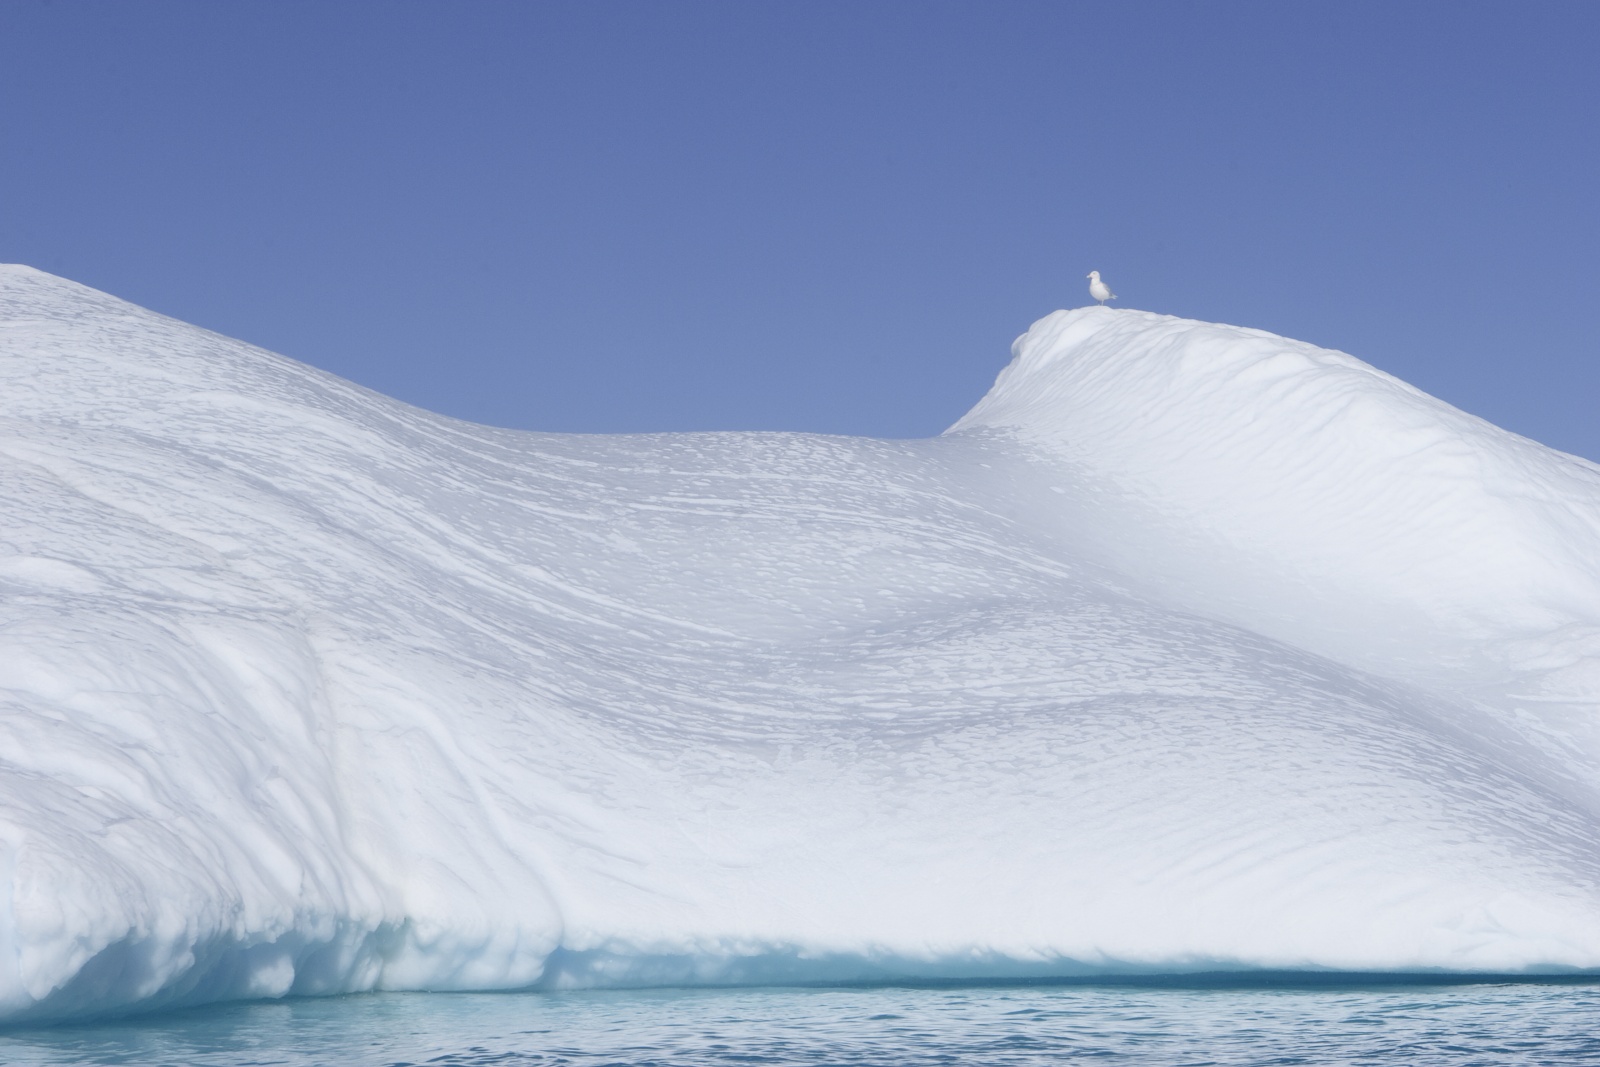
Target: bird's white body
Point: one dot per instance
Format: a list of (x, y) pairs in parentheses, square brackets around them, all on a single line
[(1099, 289)]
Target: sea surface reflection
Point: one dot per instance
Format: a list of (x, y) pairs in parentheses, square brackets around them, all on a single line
[(1489, 1023)]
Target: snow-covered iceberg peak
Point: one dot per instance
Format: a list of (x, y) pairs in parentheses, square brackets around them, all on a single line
[(1191, 648), (1306, 494)]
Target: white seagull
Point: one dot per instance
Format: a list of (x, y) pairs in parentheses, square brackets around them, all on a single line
[(1099, 289)]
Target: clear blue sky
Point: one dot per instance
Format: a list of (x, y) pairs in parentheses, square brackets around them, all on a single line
[(815, 215)]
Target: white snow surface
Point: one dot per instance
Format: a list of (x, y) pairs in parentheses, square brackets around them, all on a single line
[(1190, 647)]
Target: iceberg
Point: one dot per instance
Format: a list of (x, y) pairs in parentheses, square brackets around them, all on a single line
[(1189, 648)]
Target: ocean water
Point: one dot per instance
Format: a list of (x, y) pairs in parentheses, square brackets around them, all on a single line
[(1490, 1023)]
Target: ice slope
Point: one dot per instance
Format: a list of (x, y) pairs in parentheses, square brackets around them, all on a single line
[(1313, 498), (1190, 647)]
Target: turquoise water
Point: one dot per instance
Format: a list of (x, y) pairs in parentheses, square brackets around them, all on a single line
[(1001, 1026)]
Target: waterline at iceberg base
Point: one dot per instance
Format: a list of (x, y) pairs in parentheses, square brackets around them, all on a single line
[(1189, 648)]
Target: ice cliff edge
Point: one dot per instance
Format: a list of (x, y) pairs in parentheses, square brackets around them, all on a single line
[(1190, 647)]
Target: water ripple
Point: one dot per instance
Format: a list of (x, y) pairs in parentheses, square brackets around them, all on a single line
[(1447, 1026)]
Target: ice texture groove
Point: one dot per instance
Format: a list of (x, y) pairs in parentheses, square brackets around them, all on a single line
[(1190, 647)]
